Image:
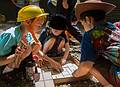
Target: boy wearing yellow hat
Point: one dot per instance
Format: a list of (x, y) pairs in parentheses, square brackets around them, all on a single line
[(17, 43)]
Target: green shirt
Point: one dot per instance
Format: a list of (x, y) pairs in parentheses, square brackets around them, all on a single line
[(8, 39)]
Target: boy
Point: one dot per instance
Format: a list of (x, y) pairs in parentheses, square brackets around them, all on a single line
[(91, 14), (55, 38), (17, 43)]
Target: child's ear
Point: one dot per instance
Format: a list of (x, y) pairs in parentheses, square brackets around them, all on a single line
[(89, 20), (28, 22)]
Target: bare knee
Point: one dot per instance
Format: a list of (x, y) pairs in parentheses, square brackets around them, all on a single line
[(48, 45)]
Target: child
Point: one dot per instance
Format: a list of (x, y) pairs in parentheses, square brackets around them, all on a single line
[(54, 39), (91, 14), (66, 8), (18, 42)]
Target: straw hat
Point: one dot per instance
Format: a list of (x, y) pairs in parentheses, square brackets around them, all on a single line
[(93, 5)]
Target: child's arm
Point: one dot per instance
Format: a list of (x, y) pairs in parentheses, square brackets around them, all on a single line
[(67, 48), (7, 60), (52, 62)]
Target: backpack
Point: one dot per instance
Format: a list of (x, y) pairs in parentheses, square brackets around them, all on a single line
[(106, 40)]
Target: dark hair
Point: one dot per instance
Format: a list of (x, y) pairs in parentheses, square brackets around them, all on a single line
[(74, 18), (98, 15), (58, 22)]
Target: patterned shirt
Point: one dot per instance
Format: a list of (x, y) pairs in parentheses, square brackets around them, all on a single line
[(94, 41)]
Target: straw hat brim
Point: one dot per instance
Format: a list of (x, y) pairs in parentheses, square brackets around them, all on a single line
[(82, 7)]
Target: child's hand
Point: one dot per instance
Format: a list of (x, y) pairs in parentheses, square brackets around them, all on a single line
[(55, 65), (39, 61), (36, 47), (63, 61), (23, 52)]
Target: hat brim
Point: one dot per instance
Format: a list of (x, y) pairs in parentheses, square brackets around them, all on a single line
[(21, 20), (82, 7), (44, 14)]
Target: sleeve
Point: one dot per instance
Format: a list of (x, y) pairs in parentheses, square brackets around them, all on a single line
[(87, 50), (7, 41), (43, 36)]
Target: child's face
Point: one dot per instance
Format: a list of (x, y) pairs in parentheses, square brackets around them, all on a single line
[(34, 24), (87, 23), (37, 23), (56, 32)]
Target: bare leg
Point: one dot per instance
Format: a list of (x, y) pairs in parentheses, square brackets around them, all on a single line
[(48, 45)]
